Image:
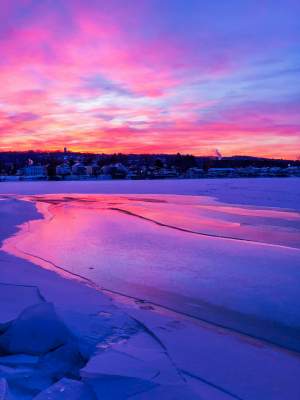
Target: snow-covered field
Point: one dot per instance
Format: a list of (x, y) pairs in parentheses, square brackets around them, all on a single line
[(166, 289)]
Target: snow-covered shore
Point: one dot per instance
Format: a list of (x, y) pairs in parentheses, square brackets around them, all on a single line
[(269, 192), (121, 349)]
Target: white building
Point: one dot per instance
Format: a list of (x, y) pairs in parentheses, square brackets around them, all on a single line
[(194, 173), (78, 169), (63, 169), (92, 169)]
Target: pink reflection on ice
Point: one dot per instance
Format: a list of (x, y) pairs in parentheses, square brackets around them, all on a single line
[(186, 252), (191, 213)]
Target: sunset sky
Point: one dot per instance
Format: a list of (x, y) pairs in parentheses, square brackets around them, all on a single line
[(151, 76)]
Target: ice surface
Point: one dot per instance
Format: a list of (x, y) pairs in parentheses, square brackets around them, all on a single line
[(171, 356), (118, 387), (19, 360), (16, 298), (272, 192), (66, 360), (231, 364), (205, 391), (131, 366), (25, 381), (145, 347), (66, 389), (169, 392), (220, 263), (37, 330), (4, 391), (115, 363)]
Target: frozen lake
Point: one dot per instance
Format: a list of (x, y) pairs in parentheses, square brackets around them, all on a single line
[(226, 251)]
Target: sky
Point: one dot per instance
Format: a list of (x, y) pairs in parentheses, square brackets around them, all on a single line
[(151, 76)]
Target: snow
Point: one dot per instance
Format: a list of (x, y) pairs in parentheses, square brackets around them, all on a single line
[(170, 252)]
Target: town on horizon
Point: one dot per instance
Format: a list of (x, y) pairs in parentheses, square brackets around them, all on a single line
[(68, 165)]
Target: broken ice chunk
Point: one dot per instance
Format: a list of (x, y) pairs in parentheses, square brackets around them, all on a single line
[(146, 348), (4, 392), (117, 387), (67, 389), (19, 360), (14, 298), (66, 360), (25, 380), (113, 362), (116, 375), (37, 330)]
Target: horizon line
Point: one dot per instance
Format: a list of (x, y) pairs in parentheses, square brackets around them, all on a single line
[(145, 154)]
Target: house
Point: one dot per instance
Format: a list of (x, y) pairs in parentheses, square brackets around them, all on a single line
[(63, 169), (79, 169), (37, 171)]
